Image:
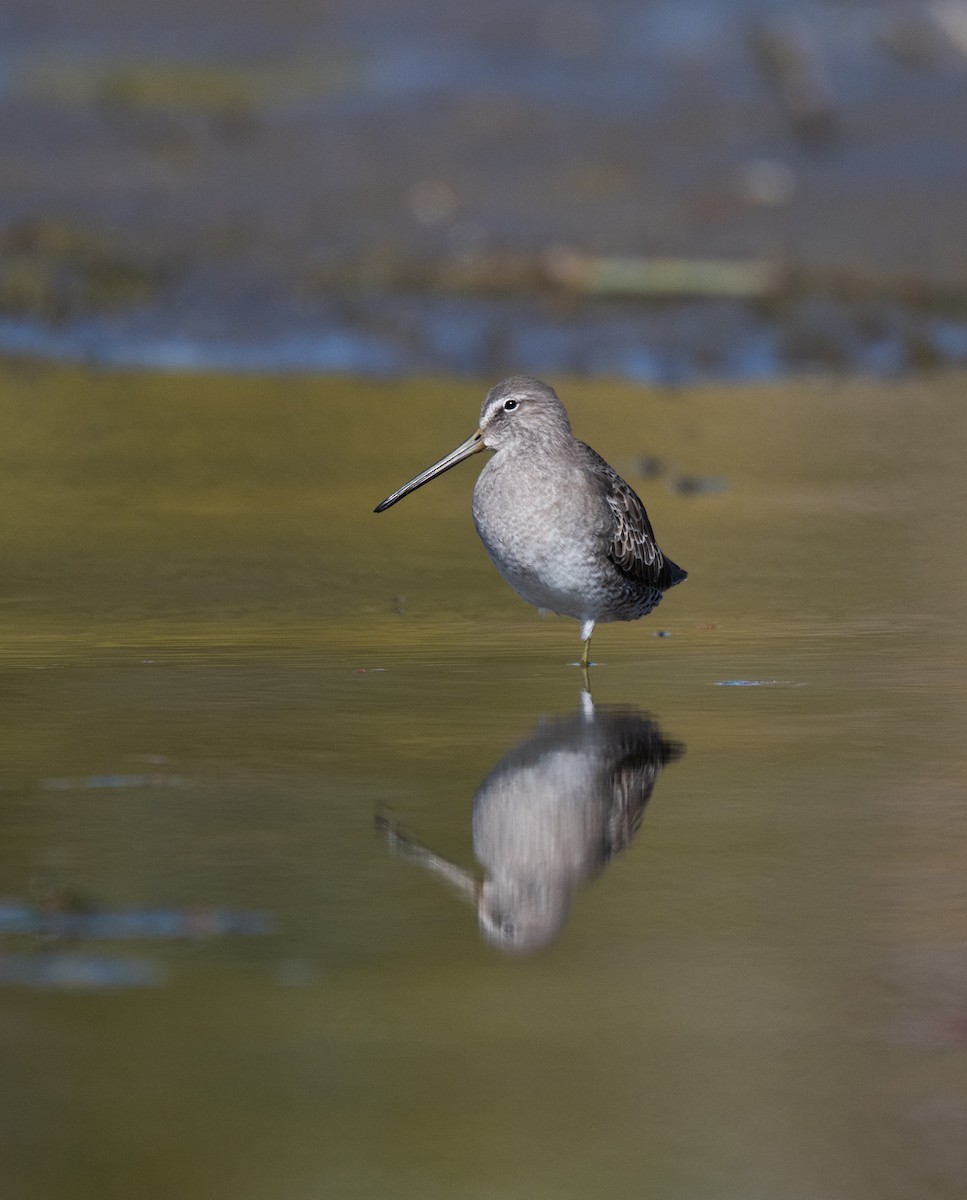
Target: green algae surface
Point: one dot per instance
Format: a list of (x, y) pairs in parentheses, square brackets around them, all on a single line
[(219, 667)]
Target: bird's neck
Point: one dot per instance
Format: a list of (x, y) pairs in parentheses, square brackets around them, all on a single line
[(537, 445)]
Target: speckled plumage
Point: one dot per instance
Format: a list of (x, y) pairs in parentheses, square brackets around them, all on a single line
[(561, 526)]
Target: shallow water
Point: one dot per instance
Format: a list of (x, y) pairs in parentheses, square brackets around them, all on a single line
[(227, 685)]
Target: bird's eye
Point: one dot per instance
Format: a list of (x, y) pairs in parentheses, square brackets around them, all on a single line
[(510, 405)]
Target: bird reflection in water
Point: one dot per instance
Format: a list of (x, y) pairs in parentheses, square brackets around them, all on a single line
[(550, 817)]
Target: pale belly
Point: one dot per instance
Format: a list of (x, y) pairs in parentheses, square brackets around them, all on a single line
[(553, 552)]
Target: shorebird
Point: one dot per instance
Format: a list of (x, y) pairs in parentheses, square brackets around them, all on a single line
[(548, 819), (561, 526)]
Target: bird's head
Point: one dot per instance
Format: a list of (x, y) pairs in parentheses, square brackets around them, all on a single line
[(522, 410)]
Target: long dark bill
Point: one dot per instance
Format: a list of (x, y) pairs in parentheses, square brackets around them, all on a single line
[(473, 445)]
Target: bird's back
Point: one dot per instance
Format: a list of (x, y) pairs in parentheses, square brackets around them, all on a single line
[(633, 547)]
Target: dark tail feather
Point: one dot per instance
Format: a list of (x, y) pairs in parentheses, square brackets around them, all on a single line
[(671, 573)]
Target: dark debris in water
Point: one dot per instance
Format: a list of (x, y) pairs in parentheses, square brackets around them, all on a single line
[(697, 485), (650, 466)]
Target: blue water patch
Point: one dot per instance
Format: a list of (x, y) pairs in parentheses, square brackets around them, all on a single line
[(664, 345), (950, 340), (757, 683), (20, 918), (75, 972)]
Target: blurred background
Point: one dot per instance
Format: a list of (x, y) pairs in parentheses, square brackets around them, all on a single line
[(259, 263), (659, 190)]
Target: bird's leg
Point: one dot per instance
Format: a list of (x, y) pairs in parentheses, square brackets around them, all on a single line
[(587, 628), (585, 651)]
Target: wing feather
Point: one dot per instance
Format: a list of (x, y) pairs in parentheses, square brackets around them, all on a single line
[(633, 548)]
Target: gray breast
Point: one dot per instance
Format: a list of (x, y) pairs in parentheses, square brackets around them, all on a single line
[(548, 528), (545, 531)]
